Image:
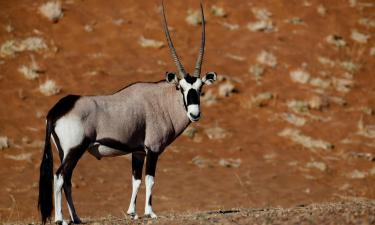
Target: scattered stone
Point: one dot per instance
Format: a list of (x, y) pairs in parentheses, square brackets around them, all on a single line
[(262, 99), (190, 132), (267, 58), (365, 155), (209, 98), (230, 163), (20, 157), (218, 11), (365, 130), (32, 71), (88, 28), (118, 22), (257, 71), (200, 161), (372, 51), (318, 103), (356, 174), (359, 37), (263, 22), (298, 106), (9, 28), (230, 26), (342, 85), (293, 119), (226, 89), (352, 3), (300, 76), (350, 66), (366, 22), (336, 40), (319, 82), (49, 88), (193, 17), (317, 165), (306, 141), (295, 21), (149, 43), (269, 157), (321, 10), (4, 142), (216, 133), (52, 10), (326, 61), (372, 171), (368, 111), (235, 57)]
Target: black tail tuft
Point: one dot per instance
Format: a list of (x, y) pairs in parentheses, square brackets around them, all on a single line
[(45, 204)]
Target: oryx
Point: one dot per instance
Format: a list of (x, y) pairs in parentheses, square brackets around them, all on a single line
[(142, 119)]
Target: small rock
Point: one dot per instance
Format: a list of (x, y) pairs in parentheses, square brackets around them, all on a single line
[(317, 103), (267, 58), (150, 43), (257, 71), (262, 99), (230, 163), (49, 88), (356, 174), (52, 10), (216, 133), (318, 165), (4, 142), (359, 37), (193, 17), (200, 161), (218, 11), (190, 132), (336, 40), (226, 89), (321, 10), (300, 76), (298, 106)]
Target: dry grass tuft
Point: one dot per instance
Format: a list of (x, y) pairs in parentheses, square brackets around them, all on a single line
[(218, 11), (365, 130), (359, 37), (149, 43), (32, 71), (267, 58), (230, 163), (226, 89), (304, 140), (216, 133), (293, 119), (49, 88), (263, 23), (300, 76), (193, 17), (20, 157), (321, 10), (52, 10), (4, 142), (11, 47), (336, 40), (262, 99), (317, 165)]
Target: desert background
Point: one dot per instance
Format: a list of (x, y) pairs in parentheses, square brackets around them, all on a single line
[(288, 125)]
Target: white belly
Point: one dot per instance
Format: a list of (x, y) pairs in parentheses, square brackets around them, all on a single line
[(100, 151)]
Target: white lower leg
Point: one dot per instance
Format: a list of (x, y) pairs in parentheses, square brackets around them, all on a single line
[(58, 184), (133, 199), (149, 180)]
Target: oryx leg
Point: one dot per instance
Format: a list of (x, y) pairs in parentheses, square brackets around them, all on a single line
[(69, 139), (137, 166), (151, 160)]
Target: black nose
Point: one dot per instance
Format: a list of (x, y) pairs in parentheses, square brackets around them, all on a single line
[(195, 116)]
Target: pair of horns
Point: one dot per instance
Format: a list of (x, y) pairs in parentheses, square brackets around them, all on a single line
[(176, 59)]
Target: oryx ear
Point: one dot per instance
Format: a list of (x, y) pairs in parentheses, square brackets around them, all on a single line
[(209, 78), (171, 77)]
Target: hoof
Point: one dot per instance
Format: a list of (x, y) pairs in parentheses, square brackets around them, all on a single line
[(59, 222), (77, 221), (151, 215), (133, 216)]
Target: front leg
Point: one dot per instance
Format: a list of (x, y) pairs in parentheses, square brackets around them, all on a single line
[(152, 159), (137, 166)]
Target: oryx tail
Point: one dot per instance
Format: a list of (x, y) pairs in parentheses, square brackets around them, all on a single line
[(45, 204)]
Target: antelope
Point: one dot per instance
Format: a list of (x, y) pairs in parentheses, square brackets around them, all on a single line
[(142, 119)]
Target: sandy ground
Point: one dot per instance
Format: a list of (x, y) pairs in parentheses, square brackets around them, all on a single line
[(267, 138)]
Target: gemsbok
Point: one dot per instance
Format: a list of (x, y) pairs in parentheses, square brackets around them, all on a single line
[(142, 119)]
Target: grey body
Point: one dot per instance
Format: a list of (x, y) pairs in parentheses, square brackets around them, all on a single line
[(141, 115)]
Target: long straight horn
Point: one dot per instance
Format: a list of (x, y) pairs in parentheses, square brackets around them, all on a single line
[(176, 60), (198, 64)]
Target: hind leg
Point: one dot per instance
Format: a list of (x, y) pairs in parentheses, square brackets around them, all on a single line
[(71, 143)]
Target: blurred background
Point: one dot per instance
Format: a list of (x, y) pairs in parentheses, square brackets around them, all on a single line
[(290, 120)]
